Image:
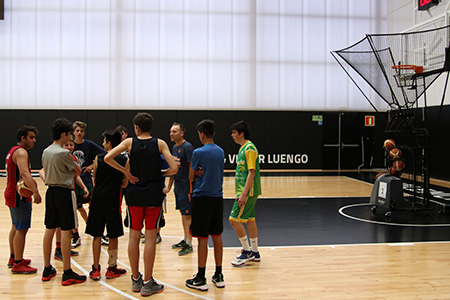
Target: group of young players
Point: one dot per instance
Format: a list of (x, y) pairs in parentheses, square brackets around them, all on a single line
[(137, 164)]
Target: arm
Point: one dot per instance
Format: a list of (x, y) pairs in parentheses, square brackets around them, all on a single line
[(20, 158), (125, 179), (164, 150), (169, 186), (248, 184), (80, 183), (109, 159)]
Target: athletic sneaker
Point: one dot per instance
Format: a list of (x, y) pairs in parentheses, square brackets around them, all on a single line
[(218, 280), (158, 239), (256, 256), (151, 287), (137, 283), (179, 245), (114, 272), (197, 283), (70, 277), (23, 268), (48, 273), (58, 254), (185, 250), (95, 273), (105, 240), (245, 257), (76, 241), (11, 262)]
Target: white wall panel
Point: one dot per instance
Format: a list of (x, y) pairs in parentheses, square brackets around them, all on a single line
[(220, 87), (195, 85), (229, 54)]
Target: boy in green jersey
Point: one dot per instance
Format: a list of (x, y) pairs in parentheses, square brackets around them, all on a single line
[(248, 188)]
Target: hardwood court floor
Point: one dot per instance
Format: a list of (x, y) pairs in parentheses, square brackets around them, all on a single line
[(328, 271)]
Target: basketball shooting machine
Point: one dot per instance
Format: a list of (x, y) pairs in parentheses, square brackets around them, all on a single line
[(400, 67)]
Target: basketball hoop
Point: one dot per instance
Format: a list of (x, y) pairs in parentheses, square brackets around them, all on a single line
[(404, 75), (417, 69)]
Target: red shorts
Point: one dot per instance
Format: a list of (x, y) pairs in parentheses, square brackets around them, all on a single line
[(153, 217)]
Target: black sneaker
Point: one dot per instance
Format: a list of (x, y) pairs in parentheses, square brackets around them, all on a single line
[(70, 277), (151, 287), (76, 241), (197, 283), (48, 273), (105, 240), (179, 245), (218, 280)]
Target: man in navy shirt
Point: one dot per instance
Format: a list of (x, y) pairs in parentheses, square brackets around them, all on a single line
[(182, 152)]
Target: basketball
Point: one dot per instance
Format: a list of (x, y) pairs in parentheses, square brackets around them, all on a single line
[(398, 165), (389, 144), (395, 172), (379, 174), (395, 153), (23, 190)]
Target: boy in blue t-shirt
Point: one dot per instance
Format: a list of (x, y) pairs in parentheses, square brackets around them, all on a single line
[(207, 204)]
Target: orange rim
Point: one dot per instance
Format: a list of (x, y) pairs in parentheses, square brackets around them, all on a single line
[(417, 69)]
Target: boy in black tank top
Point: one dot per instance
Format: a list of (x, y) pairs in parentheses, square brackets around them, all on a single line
[(144, 196), (105, 208)]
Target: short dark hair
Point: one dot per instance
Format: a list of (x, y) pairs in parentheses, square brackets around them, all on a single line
[(241, 126), (23, 131), (79, 124), (113, 136), (182, 127), (207, 127), (144, 121), (121, 128), (60, 126)]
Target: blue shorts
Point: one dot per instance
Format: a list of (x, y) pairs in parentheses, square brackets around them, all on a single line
[(183, 203), (21, 215)]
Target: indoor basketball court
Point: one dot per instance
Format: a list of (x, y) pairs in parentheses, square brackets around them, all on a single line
[(346, 101)]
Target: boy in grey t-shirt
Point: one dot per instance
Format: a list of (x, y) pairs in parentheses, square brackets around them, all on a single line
[(60, 169)]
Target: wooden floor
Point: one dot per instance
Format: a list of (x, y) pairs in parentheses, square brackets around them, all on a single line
[(369, 271)]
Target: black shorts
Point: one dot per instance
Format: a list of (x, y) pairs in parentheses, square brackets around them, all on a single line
[(101, 216), (207, 216), (60, 208)]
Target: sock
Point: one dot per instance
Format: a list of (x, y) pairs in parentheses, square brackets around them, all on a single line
[(254, 243), (18, 261), (244, 243), (58, 245), (75, 235), (11, 255), (189, 242), (218, 270), (112, 259), (201, 272)]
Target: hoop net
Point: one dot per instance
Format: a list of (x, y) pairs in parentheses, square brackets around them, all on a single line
[(404, 75)]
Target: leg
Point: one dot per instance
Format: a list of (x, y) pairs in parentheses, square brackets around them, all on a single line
[(19, 243), (218, 249), (252, 229), (186, 221), (83, 213), (149, 252), (66, 236), (12, 232), (133, 251), (202, 252), (48, 240), (96, 250), (238, 228)]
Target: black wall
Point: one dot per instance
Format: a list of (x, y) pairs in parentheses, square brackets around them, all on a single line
[(285, 139)]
